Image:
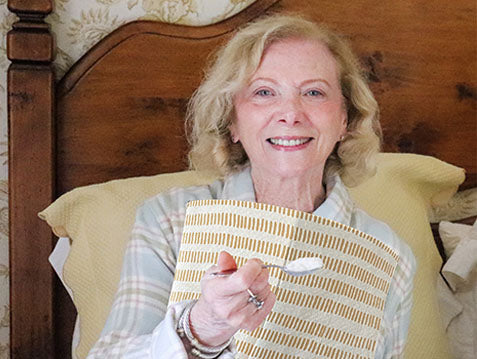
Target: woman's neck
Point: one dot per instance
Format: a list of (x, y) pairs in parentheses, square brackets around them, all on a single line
[(303, 193)]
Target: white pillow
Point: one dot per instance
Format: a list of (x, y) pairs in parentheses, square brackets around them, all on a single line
[(458, 295)]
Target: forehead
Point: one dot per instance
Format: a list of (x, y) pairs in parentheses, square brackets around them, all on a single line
[(298, 55)]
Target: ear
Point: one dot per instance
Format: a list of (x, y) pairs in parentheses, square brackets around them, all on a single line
[(344, 123), (233, 133)]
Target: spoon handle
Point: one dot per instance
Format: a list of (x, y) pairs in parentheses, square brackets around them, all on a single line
[(272, 266), (232, 271), (224, 273)]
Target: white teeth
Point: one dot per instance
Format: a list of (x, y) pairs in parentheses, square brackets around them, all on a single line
[(290, 143)]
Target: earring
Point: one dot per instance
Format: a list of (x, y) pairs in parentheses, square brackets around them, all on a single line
[(234, 139), (342, 138)]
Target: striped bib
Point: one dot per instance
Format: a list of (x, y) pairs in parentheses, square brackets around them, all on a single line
[(334, 313)]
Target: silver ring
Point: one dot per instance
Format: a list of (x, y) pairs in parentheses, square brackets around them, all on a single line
[(253, 299)]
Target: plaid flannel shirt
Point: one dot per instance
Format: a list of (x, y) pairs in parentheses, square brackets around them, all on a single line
[(141, 325)]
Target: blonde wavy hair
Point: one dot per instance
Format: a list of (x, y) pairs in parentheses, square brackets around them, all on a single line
[(211, 111)]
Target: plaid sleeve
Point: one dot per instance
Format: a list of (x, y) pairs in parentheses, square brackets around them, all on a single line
[(401, 298), (141, 299), (139, 324)]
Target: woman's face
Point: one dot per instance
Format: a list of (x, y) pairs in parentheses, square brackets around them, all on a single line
[(291, 113)]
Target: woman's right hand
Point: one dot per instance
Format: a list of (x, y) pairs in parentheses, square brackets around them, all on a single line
[(224, 307)]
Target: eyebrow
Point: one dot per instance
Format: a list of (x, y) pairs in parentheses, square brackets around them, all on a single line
[(268, 79)]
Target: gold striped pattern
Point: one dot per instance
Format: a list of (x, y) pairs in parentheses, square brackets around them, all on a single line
[(336, 312)]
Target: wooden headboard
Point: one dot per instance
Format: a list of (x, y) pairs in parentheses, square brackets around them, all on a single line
[(119, 112)]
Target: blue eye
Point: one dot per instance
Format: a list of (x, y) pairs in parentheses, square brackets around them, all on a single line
[(263, 92), (314, 93)]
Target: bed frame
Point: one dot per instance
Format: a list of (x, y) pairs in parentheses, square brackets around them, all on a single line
[(119, 112)]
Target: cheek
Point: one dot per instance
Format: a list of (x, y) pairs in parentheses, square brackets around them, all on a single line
[(248, 120), (330, 117)]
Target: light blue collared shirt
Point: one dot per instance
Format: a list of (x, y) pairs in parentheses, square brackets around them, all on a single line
[(140, 325)]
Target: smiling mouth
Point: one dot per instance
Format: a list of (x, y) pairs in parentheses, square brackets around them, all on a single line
[(289, 143)]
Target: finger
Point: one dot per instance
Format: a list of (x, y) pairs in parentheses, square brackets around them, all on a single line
[(261, 281), (262, 294), (250, 275), (216, 291), (254, 298), (227, 309), (234, 310), (212, 269), (226, 262), (250, 317), (259, 315), (243, 278), (240, 318)]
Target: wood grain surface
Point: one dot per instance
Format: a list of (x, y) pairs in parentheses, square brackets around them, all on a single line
[(31, 180)]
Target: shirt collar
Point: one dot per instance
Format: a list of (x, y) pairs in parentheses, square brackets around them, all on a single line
[(337, 206), (239, 186)]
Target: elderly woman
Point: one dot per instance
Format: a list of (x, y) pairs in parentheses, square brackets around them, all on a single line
[(286, 117)]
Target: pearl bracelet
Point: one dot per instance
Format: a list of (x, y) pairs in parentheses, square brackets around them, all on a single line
[(199, 350)]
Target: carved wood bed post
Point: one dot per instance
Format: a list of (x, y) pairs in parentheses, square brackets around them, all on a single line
[(31, 159)]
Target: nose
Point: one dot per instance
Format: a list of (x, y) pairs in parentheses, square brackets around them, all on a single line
[(291, 111)]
